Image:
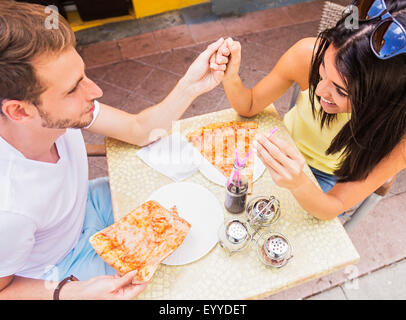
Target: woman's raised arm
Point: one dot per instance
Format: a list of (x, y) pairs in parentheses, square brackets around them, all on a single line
[(293, 66)]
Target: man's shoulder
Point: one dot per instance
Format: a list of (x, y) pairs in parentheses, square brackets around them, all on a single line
[(31, 187), (14, 219), (7, 150)]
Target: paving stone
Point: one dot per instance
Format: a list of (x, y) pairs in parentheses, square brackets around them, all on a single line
[(283, 102), (281, 39), (260, 20), (200, 46), (399, 186), (378, 238), (302, 291), (174, 37), (128, 74), (100, 54), (92, 138), (176, 61), (198, 14), (112, 95), (305, 11), (257, 57), (158, 85), (331, 294), (155, 60), (138, 46), (123, 29), (97, 167), (97, 73), (136, 103), (207, 102), (384, 284), (251, 76), (209, 31)]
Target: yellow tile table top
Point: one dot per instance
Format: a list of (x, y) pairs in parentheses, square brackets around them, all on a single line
[(319, 247)]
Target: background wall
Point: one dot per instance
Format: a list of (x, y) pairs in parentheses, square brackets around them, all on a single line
[(232, 7)]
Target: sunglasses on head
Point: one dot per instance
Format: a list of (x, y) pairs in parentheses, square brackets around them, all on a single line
[(389, 37)]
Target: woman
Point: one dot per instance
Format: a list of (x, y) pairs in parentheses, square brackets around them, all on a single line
[(349, 123)]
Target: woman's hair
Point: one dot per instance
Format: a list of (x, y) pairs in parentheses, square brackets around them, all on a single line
[(25, 34), (376, 91)]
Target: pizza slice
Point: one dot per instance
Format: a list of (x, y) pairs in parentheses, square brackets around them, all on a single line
[(141, 239), (217, 143)]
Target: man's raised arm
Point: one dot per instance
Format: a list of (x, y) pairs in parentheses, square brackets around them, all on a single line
[(202, 76)]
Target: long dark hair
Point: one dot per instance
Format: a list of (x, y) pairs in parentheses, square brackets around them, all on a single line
[(376, 90)]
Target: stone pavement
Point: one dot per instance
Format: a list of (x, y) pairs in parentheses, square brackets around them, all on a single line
[(139, 70)]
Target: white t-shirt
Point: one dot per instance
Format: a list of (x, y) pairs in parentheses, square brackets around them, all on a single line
[(42, 205)]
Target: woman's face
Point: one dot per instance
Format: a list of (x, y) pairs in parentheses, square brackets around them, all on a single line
[(331, 88)]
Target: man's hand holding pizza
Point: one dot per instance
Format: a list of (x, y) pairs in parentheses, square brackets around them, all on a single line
[(103, 288)]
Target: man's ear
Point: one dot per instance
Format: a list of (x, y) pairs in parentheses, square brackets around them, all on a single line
[(17, 110)]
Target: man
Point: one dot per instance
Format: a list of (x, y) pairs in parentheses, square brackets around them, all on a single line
[(47, 208)]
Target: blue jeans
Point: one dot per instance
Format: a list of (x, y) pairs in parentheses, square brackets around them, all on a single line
[(82, 261), (325, 180)]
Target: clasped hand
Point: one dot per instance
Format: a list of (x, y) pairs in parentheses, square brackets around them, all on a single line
[(203, 74)]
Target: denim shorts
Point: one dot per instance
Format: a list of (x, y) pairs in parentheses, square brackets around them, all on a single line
[(325, 180), (82, 261)]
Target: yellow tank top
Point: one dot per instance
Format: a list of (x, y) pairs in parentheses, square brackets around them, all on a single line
[(310, 139)]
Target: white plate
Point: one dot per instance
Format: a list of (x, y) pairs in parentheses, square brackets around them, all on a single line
[(201, 209), (214, 175)]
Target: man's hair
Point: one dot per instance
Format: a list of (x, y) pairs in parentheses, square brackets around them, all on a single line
[(24, 36)]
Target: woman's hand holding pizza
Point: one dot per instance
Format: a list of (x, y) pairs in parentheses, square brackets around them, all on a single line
[(284, 161)]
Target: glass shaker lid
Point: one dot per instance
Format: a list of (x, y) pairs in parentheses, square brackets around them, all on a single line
[(276, 247), (236, 231), (263, 207)]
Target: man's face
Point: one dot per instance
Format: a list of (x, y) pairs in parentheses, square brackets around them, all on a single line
[(68, 101)]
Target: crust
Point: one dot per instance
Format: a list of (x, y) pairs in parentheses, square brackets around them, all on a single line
[(217, 125), (214, 143), (141, 240)]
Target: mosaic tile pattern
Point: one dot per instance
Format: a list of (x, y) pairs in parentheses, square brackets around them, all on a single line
[(319, 247)]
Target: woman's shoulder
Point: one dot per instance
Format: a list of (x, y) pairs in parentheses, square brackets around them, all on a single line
[(305, 45), (298, 60)]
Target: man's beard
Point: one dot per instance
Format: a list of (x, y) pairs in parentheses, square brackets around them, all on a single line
[(47, 122)]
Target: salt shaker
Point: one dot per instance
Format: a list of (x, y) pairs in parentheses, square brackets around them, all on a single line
[(234, 235)]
